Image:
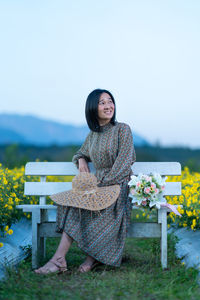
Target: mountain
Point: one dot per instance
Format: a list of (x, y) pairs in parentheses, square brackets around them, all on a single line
[(27, 129), (8, 136)]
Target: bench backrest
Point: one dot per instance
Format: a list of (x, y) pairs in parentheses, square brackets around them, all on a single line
[(43, 169)]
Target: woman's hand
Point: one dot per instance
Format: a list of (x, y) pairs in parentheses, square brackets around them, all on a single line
[(82, 165)]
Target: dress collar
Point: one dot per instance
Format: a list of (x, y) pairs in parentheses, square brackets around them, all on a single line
[(106, 127)]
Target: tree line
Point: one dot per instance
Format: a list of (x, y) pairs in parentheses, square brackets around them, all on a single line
[(16, 155)]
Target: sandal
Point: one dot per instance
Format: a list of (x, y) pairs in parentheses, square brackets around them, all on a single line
[(88, 267), (46, 269)]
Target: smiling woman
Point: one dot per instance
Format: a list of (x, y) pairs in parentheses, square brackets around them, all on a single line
[(100, 109), (109, 146), (106, 109)]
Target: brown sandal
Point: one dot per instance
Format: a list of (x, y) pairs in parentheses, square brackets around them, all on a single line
[(88, 267), (47, 270)]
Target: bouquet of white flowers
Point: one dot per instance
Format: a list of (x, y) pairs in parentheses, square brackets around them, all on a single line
[(147, 190)]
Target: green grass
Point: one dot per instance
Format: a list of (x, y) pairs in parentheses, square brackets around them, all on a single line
[(139, 277)]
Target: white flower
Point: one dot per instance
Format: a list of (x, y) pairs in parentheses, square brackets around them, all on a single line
[(159, 180), (148, 179), (133, 180)]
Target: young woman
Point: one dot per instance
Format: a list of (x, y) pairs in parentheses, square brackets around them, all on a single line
[(109, 146)]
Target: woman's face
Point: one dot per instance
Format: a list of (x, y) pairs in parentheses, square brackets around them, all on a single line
[(106, 109)]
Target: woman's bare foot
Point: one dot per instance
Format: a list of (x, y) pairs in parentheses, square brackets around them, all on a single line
[(88, 264), (54, 265)]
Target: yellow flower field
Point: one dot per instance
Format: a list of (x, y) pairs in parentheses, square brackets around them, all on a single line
[(190, 200), (12, 194)]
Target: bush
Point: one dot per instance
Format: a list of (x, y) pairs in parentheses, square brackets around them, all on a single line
[(12, 194)]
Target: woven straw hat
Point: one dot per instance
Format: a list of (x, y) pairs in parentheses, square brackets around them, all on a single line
[(86, 194)]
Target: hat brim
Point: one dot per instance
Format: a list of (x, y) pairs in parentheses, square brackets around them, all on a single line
[(97, 199)]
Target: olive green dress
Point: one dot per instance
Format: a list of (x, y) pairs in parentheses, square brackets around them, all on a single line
[(102, 234)]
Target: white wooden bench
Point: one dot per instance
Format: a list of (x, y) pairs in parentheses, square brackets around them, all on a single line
[(42, 228)]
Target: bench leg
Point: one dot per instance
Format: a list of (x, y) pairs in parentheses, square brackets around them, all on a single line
[(35, 237), (163, 220), (42, 240)]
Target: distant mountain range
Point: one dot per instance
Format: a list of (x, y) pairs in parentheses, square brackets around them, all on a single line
[(31, 130)]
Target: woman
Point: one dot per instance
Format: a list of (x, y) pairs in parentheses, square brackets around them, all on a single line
[(109, 146)]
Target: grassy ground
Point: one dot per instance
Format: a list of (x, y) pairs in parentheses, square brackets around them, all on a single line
[(139, 277)]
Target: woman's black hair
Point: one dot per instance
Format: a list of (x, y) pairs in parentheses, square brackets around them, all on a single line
[(91, 109)]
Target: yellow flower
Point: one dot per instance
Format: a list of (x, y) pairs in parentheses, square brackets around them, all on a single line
[(5, 181), (189, 213), (17, 201), (181, 198), (10, 200), (194, 222), (137, 216), (1, 245), (6, 228), (10, 231), (194, 212)]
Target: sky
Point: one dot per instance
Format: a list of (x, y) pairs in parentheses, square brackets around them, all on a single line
[(145, 52)]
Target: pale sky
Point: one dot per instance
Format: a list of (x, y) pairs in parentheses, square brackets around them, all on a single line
[(146, 52)]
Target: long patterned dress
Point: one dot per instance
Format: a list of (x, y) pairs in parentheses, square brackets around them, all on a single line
[(102, 235)]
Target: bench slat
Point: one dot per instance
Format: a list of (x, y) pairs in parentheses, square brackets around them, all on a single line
[(53, 168), (137, 230), (32, 207), (68, 168), (50, 188), (163, 168), (48, 229), (45, 188), (146, 230), (50, 168)]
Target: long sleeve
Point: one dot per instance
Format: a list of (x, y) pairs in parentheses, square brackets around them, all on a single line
[(125, 158), (83, 152)]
